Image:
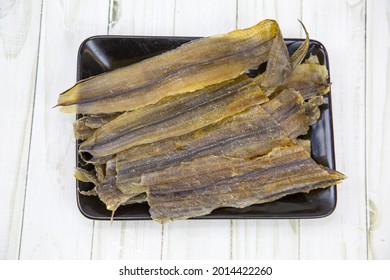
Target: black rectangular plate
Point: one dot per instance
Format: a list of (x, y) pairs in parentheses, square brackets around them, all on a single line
[(101, 54)]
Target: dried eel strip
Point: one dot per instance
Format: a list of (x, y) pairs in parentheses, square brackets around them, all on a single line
[(309, 78), (282, 109), (196, 188), (136, 199), (312, 108), (187, 68), (86, 125), (174, 116), (86, 176), (108, 192), (106, 189), (251, 133), (247, 135), (279, 65)]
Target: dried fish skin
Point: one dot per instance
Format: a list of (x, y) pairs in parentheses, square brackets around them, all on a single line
[(185, 113), (312, 108), (100, 172), (189, 67), (81, 131), (304, 143), (309, 79), (299, 55), (108, 192), (111, 196), (136, 199), (85, 175), (254, 132), (251, 133), (280, 65), (234, 183), (282, 108), (85, 126)]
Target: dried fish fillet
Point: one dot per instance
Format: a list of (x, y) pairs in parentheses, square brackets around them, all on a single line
[(309, 79), (174, 116), (86, 125), (282, 109), (280, 65), (196, 188), (251, 133), (85, 175), (107, 191), (110, 195), (312, 108), (187, 68), (136, 199)]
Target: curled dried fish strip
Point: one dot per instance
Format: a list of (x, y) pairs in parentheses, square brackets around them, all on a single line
[(189, 191), (187, 68), (251, 133), (177, 116)]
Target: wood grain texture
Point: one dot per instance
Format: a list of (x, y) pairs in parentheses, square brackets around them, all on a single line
[(378, 128), (204, 18), (286, 13), (19, 35), (339, 25), (197, 240), (133, 239), (268, 239), (53, 227), (133, 17), (127, 240)]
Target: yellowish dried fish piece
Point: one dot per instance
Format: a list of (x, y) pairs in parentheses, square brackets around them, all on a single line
[(312, 108), (136, 199), (173, 117), (281, 110), (309, 78), (245, 135), (196, 188), (251, 133), (85, 126), (107, 191), (85, 175), (280, 65), (304, 143), (100, 172), (187, 68)]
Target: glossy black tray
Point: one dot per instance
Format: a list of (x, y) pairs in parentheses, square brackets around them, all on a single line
[(104, 53)]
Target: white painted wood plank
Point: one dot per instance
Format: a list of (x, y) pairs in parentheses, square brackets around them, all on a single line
[(134, 240), (197, 240), (257, 239), (200, 239), (127, 240), (378, 128), (53, 227), (204, 18), (19, 33), (285, 12), (132, 17), (340, 25)]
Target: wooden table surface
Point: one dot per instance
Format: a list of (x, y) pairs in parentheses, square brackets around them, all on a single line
[(39, 218)]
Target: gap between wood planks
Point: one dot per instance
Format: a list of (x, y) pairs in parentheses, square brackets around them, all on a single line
[(31, 130)]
